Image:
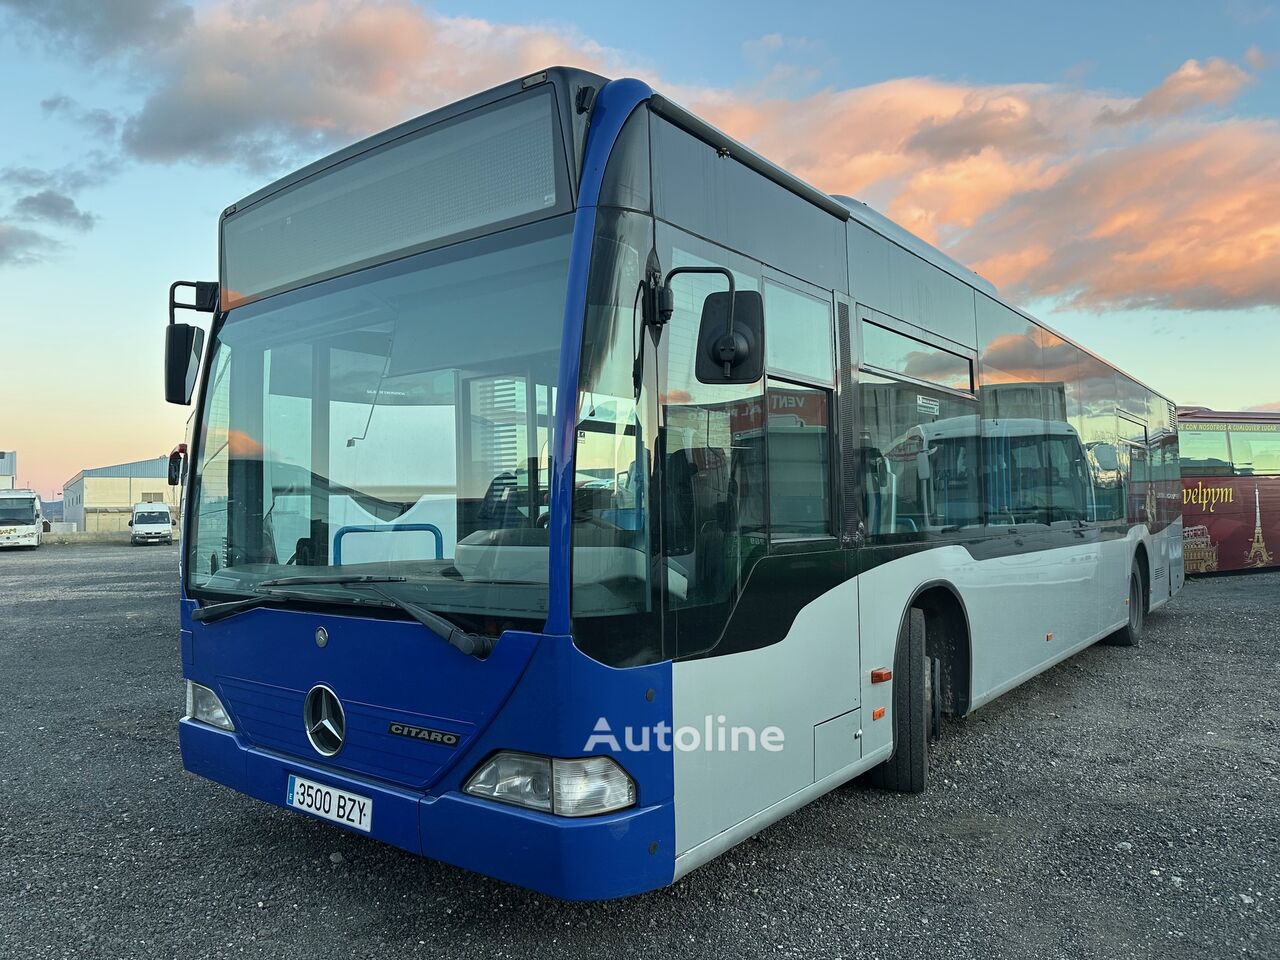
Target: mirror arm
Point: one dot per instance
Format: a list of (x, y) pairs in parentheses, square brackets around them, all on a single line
[(206, 297), (727, 347)]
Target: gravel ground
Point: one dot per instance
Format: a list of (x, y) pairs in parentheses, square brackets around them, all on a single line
[(1125, 804)]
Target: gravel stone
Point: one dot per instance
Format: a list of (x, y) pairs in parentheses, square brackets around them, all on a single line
[(107, 849)]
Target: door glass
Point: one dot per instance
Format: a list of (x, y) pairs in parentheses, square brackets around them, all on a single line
[(712, 459), (799, 450)]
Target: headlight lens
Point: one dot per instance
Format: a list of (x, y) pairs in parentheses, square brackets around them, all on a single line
[(203, 705), (567, 788), (590, 785)]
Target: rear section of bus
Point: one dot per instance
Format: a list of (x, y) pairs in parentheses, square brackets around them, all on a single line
[(376, 539)]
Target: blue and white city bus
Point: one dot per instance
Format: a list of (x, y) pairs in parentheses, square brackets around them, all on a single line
[(573, 492)]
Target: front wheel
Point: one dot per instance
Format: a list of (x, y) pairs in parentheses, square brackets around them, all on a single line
[(907, 770), (1130, 635)]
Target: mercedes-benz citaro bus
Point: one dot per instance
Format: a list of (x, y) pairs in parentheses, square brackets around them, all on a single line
[(562, 503)]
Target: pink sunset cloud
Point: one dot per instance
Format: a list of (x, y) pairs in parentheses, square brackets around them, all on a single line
[(1050, 190)]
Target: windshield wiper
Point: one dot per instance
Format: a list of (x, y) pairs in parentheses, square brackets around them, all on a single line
[(229, 608), (475, 645), (323, 578)]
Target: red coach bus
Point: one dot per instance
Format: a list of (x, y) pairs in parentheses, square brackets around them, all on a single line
[(1230, 489)]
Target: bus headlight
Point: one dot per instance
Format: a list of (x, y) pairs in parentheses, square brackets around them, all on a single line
[(203, 705), (568, 788)]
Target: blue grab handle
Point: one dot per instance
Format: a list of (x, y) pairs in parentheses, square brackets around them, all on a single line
[(384, 528)]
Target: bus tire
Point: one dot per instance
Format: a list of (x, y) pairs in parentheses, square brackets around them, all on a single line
[(1130, 635), (907, 769)]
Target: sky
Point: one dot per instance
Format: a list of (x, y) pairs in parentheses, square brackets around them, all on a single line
[(1113, 168)]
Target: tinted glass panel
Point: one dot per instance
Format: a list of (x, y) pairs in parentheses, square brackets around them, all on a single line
[(920, 457), (1204, 452), (712, 460), (892, 351), (615, 593), (799, 449), (798, 336), (485, 169), (1255, 448), (393, 422), (720, 199)]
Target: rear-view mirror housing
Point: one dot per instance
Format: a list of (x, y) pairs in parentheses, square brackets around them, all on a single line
[(744, 362), (183, 344)]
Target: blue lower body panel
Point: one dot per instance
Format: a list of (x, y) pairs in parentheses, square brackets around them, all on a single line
[(592, 858)]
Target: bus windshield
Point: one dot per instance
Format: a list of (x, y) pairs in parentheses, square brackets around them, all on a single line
[(17, 510), (393, 422)]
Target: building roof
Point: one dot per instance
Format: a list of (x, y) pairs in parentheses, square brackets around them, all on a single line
[(154, 468)]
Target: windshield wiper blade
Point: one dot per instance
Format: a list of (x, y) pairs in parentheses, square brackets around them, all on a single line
[(229, 608), (472, 644), (337, 578)]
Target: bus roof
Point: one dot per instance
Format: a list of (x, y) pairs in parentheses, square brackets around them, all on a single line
[(1228, 416), (23, 492), (842, 207)]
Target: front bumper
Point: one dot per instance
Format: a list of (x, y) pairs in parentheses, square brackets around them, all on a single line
[(594, 858), (20, 540)]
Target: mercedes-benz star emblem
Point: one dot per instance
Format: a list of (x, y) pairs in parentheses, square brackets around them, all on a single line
[(325, 722), (322, 637)]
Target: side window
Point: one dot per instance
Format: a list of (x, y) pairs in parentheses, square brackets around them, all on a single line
[(1255, 448), (798, 341), (1204, 452), (799, 445), (711, 460), (920, 459)]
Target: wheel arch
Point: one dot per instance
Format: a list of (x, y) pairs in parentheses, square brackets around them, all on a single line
[(1143, 561), (948, 637)]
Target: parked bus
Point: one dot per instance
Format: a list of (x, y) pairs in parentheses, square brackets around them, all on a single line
[(21, 519), (1230, 489), (574, 492)]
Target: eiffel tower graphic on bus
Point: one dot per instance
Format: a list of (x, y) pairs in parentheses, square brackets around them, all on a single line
[(1258, 555)]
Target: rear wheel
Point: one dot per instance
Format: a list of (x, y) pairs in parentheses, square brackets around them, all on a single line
[(1130, 635), (907, 770)]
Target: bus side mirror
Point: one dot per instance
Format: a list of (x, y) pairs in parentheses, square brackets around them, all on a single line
[(176, 460), (183, 344), (736, 357)]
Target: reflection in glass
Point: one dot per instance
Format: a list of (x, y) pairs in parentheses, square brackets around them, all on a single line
[(392, 422)]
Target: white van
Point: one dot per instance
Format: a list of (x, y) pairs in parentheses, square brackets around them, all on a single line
[(21, 519), (151, 523)]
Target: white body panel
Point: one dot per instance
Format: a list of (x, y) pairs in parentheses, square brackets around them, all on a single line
[(816, 673), (805, 679)]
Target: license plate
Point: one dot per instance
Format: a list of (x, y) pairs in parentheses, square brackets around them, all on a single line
[(336, 805)]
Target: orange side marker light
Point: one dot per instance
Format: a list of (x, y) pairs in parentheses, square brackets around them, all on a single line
[(880, 675), (877, 713)]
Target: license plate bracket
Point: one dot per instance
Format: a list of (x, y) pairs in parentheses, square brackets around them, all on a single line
[(329, 803)]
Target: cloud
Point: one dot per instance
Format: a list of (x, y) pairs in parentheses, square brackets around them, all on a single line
[(260, 86), (95, 170), (1006, 123), (96, 29), (1022, 181), (1189, 219), (1256, 59), (53, 207), (1192, 85), (99, 122), (20, 246)]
